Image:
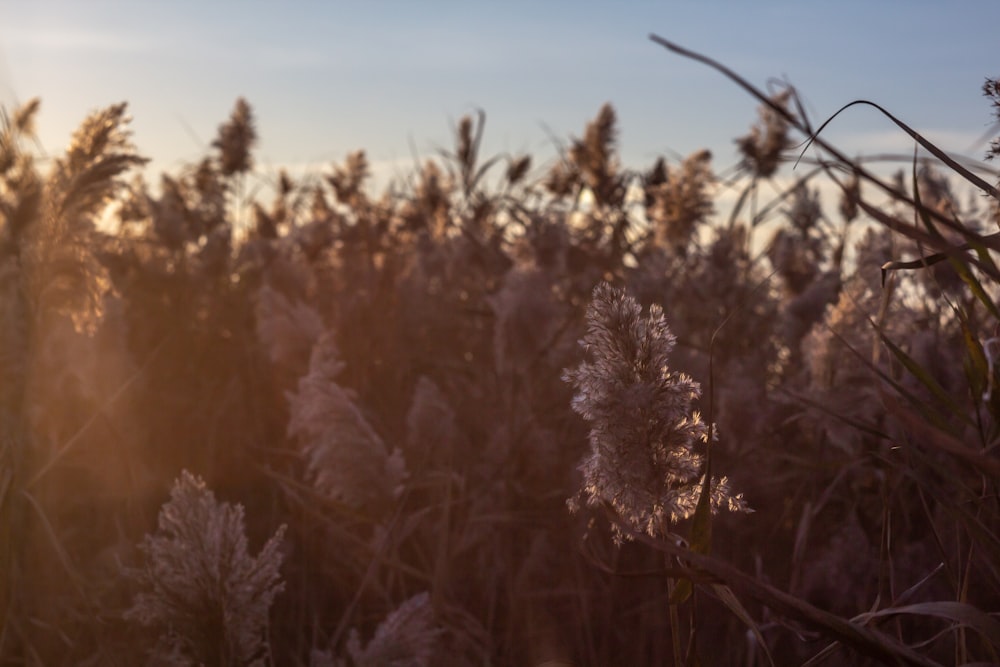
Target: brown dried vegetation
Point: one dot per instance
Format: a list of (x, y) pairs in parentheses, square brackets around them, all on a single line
[(372, 387)]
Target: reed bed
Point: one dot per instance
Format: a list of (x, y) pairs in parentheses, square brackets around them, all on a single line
[(501, 413)]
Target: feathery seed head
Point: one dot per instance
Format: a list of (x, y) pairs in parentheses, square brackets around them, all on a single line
[(406, 638), (991, 89), (348, 180), (643, 430), (236, 137), (677, 200), (517, 169), (201, 588), (768, 139), (346, 459)]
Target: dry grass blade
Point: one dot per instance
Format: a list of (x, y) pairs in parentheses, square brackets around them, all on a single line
[(734, 605), (921, 374), (963, 614), (57, 546), (922, 431), (924, 238), (805, 400), (839, 157), (864, 640), (991, 241), (934, 150)]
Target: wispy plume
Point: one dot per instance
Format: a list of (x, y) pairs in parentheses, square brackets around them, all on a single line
[(346, 459), (201, 588), (991, 89), (287, 329), (643, 429), (236, 138), (678, 200), (406, 638), (763, 147), (61, 272)]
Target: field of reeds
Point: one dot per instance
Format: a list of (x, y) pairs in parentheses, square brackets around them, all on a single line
[(501, 413)]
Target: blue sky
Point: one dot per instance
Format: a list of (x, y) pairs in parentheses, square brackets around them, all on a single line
[(325, 78)]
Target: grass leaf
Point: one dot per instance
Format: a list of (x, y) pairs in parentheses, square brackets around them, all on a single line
[(964, 614), (726, 596)]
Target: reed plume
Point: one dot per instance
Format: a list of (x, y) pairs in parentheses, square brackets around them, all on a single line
[(643, 429), (201, 589)]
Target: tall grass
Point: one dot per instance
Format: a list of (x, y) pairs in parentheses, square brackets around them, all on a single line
[(383, 375)]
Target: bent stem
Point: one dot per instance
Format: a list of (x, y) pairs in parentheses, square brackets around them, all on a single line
[(675, 622)]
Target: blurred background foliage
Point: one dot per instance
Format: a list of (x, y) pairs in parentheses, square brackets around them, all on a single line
[(382, 374)]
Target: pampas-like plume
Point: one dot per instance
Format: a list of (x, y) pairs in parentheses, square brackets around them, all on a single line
[(762, 149), (346, 459), (287, 330), (406, 638), (349, 179), (236, 138), (991, 89), (679, 199), (528, 316), (596, 157), (643, 431), (61, 272), (202, 590)]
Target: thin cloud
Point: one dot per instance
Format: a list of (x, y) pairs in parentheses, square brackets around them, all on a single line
[(78, 40)]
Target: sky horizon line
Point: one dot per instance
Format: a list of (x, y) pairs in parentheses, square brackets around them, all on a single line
[(325, 79)]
